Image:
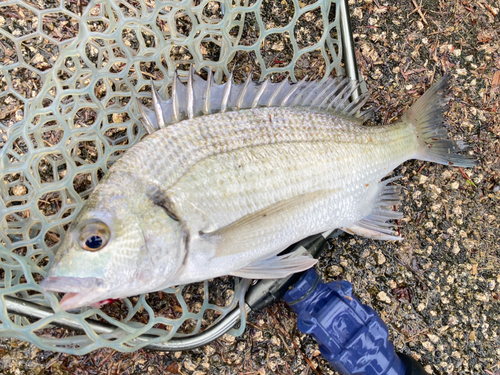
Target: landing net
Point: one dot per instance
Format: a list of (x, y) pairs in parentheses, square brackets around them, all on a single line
[(69, 71)]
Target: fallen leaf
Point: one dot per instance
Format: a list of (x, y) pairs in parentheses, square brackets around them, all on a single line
[(494, 83)]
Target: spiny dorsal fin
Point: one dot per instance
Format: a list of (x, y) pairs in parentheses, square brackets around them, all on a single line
[(201, 97)]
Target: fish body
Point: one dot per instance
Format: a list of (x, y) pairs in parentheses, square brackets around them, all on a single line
[(225, 192), (255, 159)]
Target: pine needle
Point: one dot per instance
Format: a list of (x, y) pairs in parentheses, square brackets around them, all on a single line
[(469, 181)]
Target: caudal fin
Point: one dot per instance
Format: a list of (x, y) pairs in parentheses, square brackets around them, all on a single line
[(427, 115)]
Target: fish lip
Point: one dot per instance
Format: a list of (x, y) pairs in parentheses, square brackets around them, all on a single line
[(79, 291), (64, 284)]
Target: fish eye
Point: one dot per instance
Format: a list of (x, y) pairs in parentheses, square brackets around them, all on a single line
[(94, 242), (93, 235)]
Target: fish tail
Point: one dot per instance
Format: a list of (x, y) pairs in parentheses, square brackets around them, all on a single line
[(427, 116)]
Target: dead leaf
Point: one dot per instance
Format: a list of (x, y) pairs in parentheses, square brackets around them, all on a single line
[(484, 37), (173, 368), (494, 83)]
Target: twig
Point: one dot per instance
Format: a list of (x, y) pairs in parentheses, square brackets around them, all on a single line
[(416, 335), (419, 11), (52, 361), (386, 117), (254, 326), (287, 369), (491, 9), (446, 211), (406, 265), (294, 344), (50, 144), (280, 334), (305, 358), (107, 358)]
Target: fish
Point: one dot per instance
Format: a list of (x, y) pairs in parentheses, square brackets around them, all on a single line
[(231, 175)]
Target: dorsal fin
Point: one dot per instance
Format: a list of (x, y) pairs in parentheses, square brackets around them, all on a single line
[(201, 97)]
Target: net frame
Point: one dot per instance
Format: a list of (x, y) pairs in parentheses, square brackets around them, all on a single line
[(68, 117)]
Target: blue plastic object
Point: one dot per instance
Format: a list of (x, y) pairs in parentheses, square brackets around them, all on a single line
[(351, 336)]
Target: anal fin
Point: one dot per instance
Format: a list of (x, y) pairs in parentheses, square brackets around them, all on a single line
[(376, 225), (278, 266)]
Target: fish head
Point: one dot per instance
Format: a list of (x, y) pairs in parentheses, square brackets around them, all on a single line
[(120, 244)]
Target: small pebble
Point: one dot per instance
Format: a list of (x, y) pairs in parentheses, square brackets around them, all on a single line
[(433, 338), (491, 284), (483, 297), (380, 258), (446, 174), (209, 350), (365, 253), (229, 338), (19, 190), (335, 271), (188, 364), (382, 296), (472, 336), (428, 345)]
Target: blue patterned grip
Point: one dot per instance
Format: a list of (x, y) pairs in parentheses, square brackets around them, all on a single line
[(351, 336)]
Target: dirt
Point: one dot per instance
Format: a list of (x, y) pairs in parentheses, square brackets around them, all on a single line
[(439, 289)]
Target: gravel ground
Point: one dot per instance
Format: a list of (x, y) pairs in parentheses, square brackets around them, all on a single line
[(439, 289)]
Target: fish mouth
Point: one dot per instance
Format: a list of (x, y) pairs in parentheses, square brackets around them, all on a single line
[(79, 291)]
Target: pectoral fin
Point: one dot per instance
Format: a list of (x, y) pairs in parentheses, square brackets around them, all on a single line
[(275, 225), (276, 267)]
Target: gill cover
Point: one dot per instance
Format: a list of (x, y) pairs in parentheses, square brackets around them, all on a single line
[(122, 242)]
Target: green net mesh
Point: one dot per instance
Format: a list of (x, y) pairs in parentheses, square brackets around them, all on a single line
[(69, 70)]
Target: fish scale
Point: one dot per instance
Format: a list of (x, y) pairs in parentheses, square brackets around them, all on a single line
[(171, 152), (223, 193), (243, 138)]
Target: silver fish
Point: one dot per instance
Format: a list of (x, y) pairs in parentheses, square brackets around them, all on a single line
[(240, 173)]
